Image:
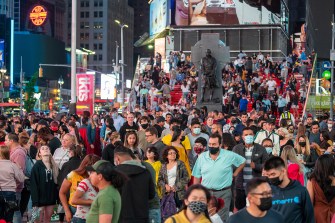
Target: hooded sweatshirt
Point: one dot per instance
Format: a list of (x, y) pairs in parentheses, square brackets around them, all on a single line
[(136, 192), (293, 202), (43, 188)]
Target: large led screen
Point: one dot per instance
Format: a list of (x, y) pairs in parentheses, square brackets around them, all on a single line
[(158, 16), (220, 12), (108, 83)]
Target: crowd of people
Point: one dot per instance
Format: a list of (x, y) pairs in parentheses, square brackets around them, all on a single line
[(174, 163)]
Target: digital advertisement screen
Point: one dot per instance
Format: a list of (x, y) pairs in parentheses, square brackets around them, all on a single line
[(219, 12), (108, 82), (158, 16)]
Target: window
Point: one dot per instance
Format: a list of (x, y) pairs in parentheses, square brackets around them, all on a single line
[(82, 4), (95, 3), (95, 14), (95, 57), (100, 46), (82, 15), (87, 3), (100, 3), (82, 36), (95, 46), (87, 14), (97, 25), (82, 25), (87, 36), (100, 56), (81, 45), (87, 45), (100, 14)]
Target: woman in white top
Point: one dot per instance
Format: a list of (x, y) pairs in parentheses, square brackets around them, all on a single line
[(61, 154), (185, 88), (173, 176)]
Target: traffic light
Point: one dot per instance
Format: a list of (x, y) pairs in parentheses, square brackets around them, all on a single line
[(40, 72)]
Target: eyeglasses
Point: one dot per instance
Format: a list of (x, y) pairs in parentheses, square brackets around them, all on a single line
[(264, 194), (172, 153), (148, 135)]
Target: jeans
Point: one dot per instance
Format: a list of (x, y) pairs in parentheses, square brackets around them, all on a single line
[(154, 216), (17, 214), (10, 196), (78, 220)]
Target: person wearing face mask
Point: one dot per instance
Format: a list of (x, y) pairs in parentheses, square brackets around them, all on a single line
[(215, 168), (284, 138), (268, 145), (290, 198), (194, 207), (258, 210), (195, 133), (144, 123), (255, 156)]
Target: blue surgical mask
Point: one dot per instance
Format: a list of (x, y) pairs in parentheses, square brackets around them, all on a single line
[(268, 150), (196, 131), (249, 139)]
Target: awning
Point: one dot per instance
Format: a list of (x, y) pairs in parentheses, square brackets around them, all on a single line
[(9, 105), (151, 39)]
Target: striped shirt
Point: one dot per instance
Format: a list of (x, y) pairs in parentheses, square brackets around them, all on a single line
[(247, 170)]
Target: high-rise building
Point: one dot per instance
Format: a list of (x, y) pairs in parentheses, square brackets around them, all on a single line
[(98, 31), (6, 14), (44, 17)]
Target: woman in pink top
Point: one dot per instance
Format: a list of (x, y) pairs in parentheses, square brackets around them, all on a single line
[(10, 176), (295, 169)]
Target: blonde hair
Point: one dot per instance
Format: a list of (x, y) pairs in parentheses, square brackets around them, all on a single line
[(285, 131), (53, 165), (288, 154), (307, 147), (114, 135), (71, 137), (4, 152)]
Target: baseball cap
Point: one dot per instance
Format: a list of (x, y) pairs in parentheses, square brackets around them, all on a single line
[(43, 122), (160, 119), (97, 166)]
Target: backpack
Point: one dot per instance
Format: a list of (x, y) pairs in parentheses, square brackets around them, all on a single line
[(29, 165), (168, 206)]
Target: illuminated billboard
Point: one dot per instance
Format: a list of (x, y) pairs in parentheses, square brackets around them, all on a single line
[(38, 15), (158, 16), (108, 82), (223, 12)]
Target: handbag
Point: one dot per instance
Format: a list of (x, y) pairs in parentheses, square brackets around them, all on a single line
[(10, 206)]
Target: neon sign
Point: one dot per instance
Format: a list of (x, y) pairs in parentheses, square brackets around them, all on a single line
[(38, 15)]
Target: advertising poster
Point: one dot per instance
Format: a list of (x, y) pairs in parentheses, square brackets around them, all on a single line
[(85, 93), (158, 16), (2, 52), (108, 83), (219, 12)]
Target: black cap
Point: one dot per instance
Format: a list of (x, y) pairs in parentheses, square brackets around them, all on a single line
[(43, 122), (160, 119), (271, 121)]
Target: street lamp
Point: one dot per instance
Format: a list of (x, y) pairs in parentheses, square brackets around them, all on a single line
[(60, 82), (122, 25), (2, 72)]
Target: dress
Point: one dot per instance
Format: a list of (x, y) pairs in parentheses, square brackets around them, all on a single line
[(323, 209)]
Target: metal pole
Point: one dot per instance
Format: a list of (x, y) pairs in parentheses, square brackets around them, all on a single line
[(122, 74), (21, 90), (73, 56), (332, 76), (117, 54)]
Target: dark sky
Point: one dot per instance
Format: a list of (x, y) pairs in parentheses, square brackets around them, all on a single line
[(322, 16)]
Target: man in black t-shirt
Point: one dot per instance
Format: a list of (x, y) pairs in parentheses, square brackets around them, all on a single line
[(259, 199)]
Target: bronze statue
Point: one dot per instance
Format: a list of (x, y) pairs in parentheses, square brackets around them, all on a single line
[(208, 71)]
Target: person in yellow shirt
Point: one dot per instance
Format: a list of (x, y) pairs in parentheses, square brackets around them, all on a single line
[(181, 143), (194, 208), (152, 157)]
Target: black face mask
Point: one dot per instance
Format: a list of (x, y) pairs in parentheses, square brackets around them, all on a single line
[(213, 150), (145, 126), (281, 137), (275, 181), (302, 144), (266, 204)]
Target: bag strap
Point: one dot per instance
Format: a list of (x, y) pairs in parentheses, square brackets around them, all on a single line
[(173, 220)]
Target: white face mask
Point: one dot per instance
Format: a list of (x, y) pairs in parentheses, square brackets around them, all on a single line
[(330, 126)]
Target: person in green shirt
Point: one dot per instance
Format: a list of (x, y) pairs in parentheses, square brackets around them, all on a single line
[(107, 205)]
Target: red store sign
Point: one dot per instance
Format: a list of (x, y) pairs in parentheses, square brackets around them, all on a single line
[(85, 93)]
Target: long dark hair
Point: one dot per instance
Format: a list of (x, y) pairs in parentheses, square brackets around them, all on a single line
[(228, 140), (112, 175), (324, 168), (188, 193), (176, 133)]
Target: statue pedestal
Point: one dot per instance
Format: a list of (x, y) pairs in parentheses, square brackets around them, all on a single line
[(221, 53)]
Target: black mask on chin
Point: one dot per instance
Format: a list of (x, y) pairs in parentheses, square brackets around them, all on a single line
[(275, 181)]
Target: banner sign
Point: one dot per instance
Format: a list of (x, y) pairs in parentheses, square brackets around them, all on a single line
[(2, 52), (85, 93)]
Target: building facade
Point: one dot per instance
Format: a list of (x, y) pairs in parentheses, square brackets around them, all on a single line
[(98, 31)]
